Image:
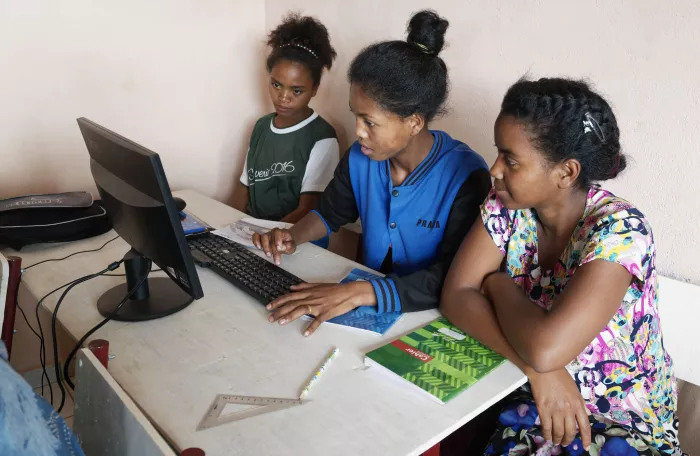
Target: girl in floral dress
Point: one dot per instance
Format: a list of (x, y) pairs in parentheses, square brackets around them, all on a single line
[(560, 278)]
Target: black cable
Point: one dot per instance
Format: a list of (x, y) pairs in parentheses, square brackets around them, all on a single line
[(26, 320), (124, 275), (42, 345), (24, 315), (72, 254), (57, 366), (40, 333), (99, 325)]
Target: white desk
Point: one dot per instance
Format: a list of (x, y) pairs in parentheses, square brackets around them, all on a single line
[(173, 367)]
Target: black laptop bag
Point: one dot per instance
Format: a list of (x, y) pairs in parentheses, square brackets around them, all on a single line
[(61, 217)]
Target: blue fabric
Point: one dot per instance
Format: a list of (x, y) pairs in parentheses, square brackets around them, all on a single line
[(410, 218), (29, 426), (323, 242), (519, 432), (387, 296), (328, 228)]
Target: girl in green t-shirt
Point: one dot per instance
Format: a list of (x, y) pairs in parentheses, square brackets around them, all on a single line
[(293, 151)]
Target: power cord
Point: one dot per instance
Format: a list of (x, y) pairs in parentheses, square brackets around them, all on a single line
[(72, 254), (99, 325), (124, 275), (24, 315), (73, 284), (42, 345), (40, 332)]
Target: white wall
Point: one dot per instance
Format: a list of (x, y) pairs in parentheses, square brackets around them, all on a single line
[(642, 54), (181, 77)]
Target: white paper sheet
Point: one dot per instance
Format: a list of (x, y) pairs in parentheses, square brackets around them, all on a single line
[(242, 230)]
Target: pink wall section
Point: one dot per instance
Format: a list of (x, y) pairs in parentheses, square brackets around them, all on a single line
[(181, 77)]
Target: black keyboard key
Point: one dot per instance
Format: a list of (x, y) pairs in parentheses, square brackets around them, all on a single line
[(244, 269), (201, 259)]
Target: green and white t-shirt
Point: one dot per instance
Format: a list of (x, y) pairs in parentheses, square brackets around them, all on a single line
[(283, 163)]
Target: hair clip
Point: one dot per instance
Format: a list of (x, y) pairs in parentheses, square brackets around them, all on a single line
[(422, 47), (590, 124), (300, 46)]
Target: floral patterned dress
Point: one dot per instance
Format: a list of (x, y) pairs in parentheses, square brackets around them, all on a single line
[(624, 374)]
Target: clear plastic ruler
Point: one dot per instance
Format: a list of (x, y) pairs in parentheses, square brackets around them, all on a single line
[(259, 406)]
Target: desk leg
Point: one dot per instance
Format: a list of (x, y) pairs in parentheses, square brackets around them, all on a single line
[(100, 348), (8, 325), (434, 451)]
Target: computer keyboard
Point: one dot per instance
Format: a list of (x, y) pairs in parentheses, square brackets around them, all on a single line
[(259, 278)]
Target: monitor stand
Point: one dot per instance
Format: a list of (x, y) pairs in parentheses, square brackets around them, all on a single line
[(155, 298)]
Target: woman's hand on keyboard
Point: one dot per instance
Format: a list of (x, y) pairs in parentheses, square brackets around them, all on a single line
[(275, 243), (321, 300)]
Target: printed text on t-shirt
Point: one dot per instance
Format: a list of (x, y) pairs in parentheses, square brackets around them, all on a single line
[(275, 170)]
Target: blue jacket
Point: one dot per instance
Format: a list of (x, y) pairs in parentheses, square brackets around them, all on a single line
[(410, 221)]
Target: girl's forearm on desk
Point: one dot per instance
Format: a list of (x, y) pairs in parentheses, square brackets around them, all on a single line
[(523, 321), (470, 311)]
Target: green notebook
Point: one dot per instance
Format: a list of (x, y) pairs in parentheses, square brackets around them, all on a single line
[(438, 359)]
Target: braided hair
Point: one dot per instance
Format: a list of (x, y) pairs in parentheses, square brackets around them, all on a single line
[(417, 82), (566, 119), (301, 39)]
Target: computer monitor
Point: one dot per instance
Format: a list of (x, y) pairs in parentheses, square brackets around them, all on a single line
[(136, 195)]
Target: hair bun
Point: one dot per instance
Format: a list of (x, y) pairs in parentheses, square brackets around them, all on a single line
[(426, 30)]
